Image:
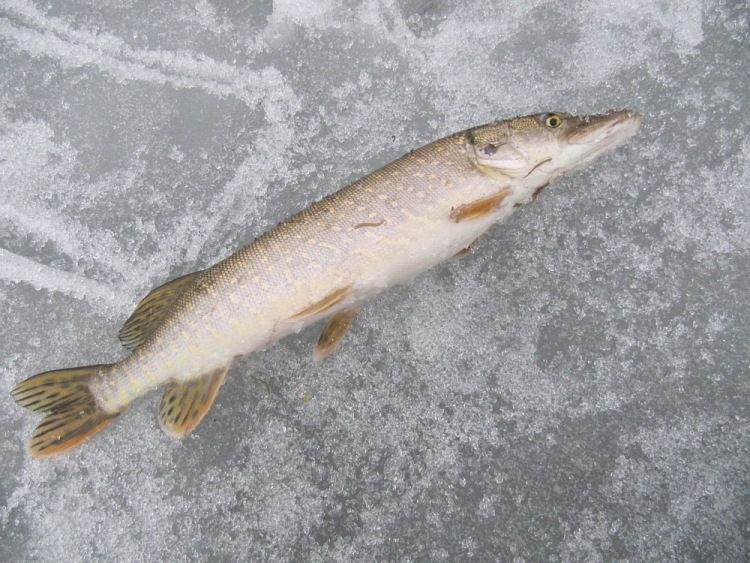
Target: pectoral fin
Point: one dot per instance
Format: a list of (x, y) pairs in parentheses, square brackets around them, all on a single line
[(184, 404), (152, 309), (480, 207), (333, 333)]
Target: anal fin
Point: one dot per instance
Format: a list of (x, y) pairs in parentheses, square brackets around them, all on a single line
[(333, 333), (152, 309), (185, 403)]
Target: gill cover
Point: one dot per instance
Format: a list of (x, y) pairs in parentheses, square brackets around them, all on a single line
[(515, 147), (492, 148)]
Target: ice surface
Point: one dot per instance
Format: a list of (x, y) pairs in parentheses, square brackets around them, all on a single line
[(576, 389)]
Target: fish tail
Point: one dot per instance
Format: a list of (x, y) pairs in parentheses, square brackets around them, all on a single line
[(71, 412)]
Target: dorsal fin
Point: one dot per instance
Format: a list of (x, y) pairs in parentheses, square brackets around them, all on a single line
[(152, 309)]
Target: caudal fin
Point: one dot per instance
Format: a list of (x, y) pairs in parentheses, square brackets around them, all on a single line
[(72, 414)]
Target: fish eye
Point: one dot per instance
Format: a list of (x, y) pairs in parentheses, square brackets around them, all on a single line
[(553, 121)]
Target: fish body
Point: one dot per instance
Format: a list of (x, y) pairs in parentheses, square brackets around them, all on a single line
[(381, 230)]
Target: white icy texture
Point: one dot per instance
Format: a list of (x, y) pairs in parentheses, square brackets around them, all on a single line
[(576, 389)]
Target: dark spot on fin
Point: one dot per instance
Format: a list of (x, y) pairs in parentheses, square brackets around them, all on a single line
[(480, 207), (152, 309), (333, 333), (326, 303), (185, 403)]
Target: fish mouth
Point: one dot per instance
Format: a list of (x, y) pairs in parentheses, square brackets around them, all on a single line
[(607, 130)]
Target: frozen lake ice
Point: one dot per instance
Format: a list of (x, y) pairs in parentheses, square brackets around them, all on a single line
[(575, 389)]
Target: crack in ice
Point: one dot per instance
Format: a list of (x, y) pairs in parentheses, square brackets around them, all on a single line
[(15, 268), (41, 35)]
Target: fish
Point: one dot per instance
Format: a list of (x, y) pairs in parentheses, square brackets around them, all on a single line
[(420, 210)]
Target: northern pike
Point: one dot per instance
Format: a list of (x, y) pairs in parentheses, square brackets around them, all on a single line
[(385, 228)]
